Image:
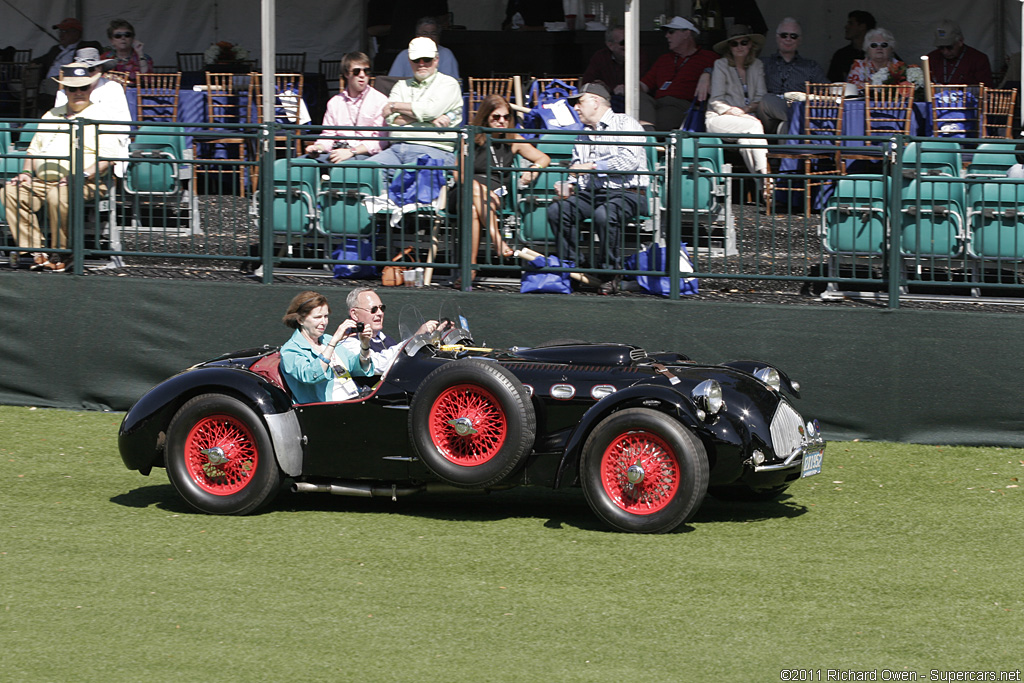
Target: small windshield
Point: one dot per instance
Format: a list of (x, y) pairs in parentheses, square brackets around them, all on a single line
[(452, 327)]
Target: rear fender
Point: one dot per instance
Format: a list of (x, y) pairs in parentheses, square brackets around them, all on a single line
[(141, 436), (661, 398)]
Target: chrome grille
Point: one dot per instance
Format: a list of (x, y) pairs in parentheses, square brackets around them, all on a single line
[(787, 428), (637, 354)]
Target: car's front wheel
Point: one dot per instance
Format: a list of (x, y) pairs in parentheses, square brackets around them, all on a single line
[(642, 471), (219, 457)]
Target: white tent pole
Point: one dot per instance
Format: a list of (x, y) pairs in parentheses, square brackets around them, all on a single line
[(632, 36), (268, 30)]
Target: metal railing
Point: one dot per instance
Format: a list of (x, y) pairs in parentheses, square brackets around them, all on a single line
[(205, 196)]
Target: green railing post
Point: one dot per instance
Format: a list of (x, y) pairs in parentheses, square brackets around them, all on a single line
[(265, 192), (76, 196), (894, 160), (465, 218), (674, 211)]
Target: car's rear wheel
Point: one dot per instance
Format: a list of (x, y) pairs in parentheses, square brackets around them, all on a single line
[(642, 471), (219, 457), (472, 423)]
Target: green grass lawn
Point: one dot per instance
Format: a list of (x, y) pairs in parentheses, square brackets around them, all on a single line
[(897, 557)]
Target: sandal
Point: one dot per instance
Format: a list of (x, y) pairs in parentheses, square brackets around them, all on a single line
[(40, 262), (613, 286)]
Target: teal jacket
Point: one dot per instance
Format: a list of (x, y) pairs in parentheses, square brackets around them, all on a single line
[(304, 373)]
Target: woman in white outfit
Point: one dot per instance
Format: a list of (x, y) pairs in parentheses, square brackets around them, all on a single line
[(737, 86)]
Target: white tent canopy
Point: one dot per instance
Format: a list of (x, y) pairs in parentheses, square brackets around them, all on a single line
[(326, 29)]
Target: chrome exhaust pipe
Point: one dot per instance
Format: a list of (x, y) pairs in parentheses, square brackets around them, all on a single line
[(356, 489), (361, 490)]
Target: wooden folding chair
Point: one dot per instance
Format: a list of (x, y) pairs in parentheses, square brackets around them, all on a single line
[(122, 77), (330, 69), (542, 85), (290, 62), (228, 98), (191, 61), (997, 112), (157, 96), (887, 112), (479, 88), (823, 124), (955, 111), (288, 106)]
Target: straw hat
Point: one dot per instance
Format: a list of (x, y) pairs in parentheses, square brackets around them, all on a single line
[(739, 31), (76, 75)]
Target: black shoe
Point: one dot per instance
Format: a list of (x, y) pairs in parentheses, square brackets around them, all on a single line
[(613, 286)]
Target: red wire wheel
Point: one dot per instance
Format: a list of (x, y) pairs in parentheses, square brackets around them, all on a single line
[(221, 454), (643, 471), (467, 424), (471, 422), (646, 458)]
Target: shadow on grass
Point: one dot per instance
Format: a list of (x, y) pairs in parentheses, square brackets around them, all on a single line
[(554, 509)]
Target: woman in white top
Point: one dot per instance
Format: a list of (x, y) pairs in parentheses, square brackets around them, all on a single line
[(737, 86)]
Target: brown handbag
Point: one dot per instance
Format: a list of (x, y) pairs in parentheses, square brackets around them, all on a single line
[(394, 276)]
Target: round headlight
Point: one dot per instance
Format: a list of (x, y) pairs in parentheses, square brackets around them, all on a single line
[(769, 376), (708, 396)]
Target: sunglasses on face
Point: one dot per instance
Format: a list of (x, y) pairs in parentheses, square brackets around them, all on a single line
[(124, 35), (879, 45), (356, 70), (788, 36), (72, 88), (373, 309), (423, 60), (743, 42), (500, 117)]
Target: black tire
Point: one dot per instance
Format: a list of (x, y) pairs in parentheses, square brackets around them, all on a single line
[(239, 478), (499, 413), (744, 494), (673, 471)]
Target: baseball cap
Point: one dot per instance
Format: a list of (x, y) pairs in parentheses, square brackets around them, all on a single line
[(69, 24), (422, 47), (947, 33), (593, 89)]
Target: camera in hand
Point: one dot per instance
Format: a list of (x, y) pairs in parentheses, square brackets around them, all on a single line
[(360, 327)]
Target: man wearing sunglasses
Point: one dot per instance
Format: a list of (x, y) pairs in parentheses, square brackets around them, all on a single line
[(50, 159), (678, 78), (422, 104), (953, 62), (364, 306), (785, 71)]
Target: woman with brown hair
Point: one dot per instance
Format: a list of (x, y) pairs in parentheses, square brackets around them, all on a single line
[(493, 151), (314, 365)]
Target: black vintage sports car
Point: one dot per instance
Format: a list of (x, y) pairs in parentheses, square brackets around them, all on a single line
[(647, 435)]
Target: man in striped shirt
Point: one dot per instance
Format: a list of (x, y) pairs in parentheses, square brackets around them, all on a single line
[(609, 185)]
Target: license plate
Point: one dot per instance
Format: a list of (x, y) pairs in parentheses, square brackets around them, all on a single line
[(812, 463)]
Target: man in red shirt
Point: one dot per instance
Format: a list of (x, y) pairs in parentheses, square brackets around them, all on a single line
[(955, 63), (677, 79)]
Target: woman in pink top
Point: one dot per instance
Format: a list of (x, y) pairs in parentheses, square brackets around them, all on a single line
[(356, 105)]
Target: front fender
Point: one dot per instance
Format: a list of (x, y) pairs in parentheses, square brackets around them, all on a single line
[(141, 436), (654, 396)]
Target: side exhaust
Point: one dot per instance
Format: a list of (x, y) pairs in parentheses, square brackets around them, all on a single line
[(361, 490)]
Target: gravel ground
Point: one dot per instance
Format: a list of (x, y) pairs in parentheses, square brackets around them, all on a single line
[(788, 245)]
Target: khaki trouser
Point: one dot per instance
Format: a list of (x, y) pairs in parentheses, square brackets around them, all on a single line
[(23, 202)]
